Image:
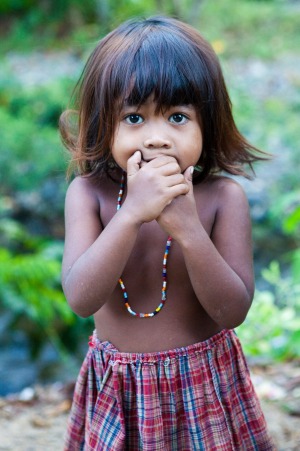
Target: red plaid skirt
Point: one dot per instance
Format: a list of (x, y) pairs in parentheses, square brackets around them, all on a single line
[(194, 398)]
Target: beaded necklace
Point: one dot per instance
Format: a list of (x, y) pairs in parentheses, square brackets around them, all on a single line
[(164, 270)]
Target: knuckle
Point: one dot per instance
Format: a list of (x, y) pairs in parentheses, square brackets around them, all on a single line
[(174, 167)]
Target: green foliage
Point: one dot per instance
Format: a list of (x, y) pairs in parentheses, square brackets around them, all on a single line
[(42, 105), (28, 153), (286, 211), (269, 121), (247, 27), (14, 237), (30, 148), (30, 290), (233, 23), (284, 214), (31, 154), (16, 6), (261, 119), (272, 328)]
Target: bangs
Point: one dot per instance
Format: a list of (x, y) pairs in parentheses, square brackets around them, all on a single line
[(161, 77), (163, 66)]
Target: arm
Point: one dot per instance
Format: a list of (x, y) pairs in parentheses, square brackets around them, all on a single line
[(220, 266), (94, 258)]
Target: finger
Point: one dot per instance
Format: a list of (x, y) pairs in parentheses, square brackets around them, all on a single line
[(178, 190), (175, 179), (166, 167), (162, 160), (133, 163), (188, 175)]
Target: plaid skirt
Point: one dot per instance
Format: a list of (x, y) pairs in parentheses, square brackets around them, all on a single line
[(199, 397)]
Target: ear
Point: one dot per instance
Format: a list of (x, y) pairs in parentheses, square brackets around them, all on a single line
[(133, 163)]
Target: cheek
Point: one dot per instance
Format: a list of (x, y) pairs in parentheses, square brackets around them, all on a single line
[(120, 153), (196, 149), (192, 154)]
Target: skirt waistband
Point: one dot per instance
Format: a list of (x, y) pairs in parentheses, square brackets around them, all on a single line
[(153, 357)]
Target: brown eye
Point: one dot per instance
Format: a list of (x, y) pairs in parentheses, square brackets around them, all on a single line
[(178, 118), (134, 119)]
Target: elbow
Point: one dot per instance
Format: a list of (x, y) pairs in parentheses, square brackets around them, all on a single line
[(81, 311), (232, 316), (232, 322), (78, 306), (77, 302)]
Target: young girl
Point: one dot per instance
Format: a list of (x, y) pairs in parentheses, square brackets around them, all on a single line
[(158, 253)]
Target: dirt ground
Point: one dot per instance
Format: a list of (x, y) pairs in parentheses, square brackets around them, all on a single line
[(35, 419)]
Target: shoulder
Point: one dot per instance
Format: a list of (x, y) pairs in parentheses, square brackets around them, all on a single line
[(220, 182), (81, 185), (90, 190), (224, 190), (231, 195), (82, 191), (222, 198), (86, 195), (232, 207)]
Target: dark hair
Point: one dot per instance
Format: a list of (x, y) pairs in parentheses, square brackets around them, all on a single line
[(172, 61)]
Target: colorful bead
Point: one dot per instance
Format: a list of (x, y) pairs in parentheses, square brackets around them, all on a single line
[(164, 272)]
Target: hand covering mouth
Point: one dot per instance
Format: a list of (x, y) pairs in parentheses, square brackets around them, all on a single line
[(152, 157)]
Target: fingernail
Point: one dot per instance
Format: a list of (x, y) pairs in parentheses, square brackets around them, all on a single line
[(192, 169)]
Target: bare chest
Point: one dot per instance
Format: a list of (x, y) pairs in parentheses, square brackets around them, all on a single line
[(145, 264)]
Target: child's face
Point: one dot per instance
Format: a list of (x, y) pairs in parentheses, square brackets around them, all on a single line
[(175, 132)]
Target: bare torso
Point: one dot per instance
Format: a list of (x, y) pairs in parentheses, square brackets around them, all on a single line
[(182, 321), (209, 271)]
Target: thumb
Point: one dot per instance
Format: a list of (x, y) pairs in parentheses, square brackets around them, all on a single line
[(188, 175), (133, 163)]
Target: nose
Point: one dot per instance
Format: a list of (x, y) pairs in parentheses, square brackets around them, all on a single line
[(157, 142)]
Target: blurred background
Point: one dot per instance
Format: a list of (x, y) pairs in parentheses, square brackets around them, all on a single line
[(43, 47)]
